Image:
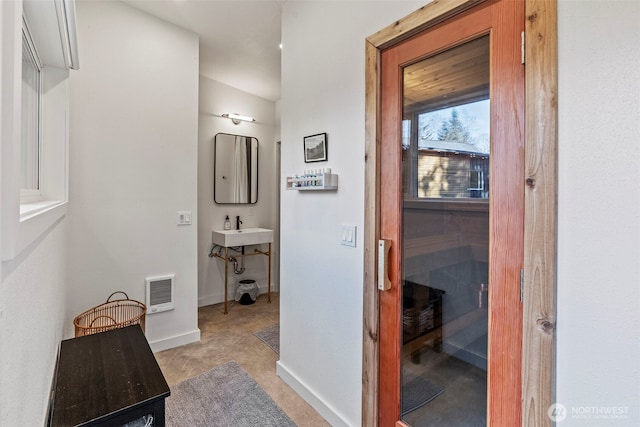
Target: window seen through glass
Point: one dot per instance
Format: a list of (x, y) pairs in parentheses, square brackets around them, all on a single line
[(452, 151)]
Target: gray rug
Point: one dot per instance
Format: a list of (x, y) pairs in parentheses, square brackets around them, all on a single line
[(271, 337), (225, 396), (418, 392)]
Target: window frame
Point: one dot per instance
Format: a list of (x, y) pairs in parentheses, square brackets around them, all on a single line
[(52, 27), (479, 179), (31, 195)]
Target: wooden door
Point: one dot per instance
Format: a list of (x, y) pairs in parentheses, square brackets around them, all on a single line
[(421, 314)]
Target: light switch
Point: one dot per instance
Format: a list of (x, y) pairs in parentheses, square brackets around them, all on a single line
[(184, 217), (348, 235)]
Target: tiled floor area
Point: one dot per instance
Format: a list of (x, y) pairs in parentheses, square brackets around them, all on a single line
[(230, 337)]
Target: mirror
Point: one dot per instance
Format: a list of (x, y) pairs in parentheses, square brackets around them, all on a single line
[(235, 170)]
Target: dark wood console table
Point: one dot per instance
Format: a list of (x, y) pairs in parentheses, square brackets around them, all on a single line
[(108, 379)]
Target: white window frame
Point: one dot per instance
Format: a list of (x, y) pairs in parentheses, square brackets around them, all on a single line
[(30, 195), (480, 179), (23, 223)]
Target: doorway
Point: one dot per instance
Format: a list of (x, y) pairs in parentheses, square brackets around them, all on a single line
[(539, 149), (450, 241)]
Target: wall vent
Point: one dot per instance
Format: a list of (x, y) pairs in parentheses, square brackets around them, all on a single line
[(159, 294)]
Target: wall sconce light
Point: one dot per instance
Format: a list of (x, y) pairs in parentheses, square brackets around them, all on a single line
[(237, 118)]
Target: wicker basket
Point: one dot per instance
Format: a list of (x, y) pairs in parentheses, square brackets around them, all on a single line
[(111, 315)]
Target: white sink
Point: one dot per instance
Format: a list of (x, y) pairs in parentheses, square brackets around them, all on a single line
[(243, 237)]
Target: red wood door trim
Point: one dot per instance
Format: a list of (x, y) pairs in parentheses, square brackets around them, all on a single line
[(390, 229), (506, 226)]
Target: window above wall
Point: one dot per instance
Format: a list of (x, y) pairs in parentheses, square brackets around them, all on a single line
[(39, 37)]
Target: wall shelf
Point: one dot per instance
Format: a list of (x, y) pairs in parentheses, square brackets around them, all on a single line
[(321, 181)]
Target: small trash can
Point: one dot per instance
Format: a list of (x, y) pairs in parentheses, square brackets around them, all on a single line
[(247, 291)]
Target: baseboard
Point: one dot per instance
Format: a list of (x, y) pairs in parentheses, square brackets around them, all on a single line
[(328, 413), (218, 297), (210, 299), (176, 341)]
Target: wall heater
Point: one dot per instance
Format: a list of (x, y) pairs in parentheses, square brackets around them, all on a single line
[(159, 293)]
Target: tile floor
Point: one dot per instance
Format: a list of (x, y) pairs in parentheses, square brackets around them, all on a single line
[(230, 337)]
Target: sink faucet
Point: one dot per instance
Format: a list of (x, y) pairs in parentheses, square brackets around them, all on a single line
[(238, 222)]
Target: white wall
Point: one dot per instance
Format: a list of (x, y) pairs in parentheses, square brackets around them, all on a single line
[(598, 350), (33, 283), (32, 314), (133, 164), (215, 99), (321, 281)]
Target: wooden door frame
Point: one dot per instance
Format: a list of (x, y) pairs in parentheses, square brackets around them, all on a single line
[(541, 112)]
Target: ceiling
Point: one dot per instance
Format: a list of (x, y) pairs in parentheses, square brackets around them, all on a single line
[(454, 77), (239, 39)]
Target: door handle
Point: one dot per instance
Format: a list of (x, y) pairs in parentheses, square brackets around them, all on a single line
[(384, 284)]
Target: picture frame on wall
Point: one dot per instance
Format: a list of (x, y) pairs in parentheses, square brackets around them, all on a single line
[(315, 148)]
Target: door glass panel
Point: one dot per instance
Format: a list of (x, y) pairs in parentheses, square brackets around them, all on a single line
[(446, 154)]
